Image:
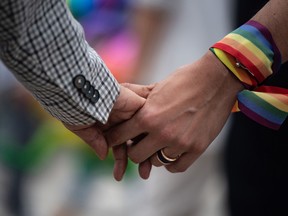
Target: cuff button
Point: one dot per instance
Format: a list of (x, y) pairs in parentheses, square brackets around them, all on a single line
[(95, 96), (86, 87), (79, 81), (90, 92)]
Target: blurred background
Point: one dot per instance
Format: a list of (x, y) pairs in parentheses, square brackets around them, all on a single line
[(47, 171)]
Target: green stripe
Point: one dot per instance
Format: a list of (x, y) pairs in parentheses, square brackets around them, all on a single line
[(266, 50), (264, 104)]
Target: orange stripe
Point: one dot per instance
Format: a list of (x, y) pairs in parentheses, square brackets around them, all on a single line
[(235, 108), (238, 55), (281, 97), (250, 55)]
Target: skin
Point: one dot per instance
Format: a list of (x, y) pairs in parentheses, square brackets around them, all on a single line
[(180, 122), (127, 103), (185, 112)]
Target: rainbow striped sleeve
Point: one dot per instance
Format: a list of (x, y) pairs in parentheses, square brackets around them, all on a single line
[(251, 54)]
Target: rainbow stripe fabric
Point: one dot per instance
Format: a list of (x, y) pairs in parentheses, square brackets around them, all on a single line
[(251, 54)]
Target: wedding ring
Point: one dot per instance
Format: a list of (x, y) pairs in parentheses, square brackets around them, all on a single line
[(164, 159)]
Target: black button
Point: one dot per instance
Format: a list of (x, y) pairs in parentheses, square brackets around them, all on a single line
[(79, 81), (90, 92), (86, 87), (95, 96)]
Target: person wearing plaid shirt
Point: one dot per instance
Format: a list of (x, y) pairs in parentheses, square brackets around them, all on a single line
[(44, 47)]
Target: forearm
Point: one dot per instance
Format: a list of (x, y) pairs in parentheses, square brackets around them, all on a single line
[(253, 53), (274, 16), (45, 48)]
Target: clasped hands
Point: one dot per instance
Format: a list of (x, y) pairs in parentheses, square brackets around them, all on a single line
[(180, 115)]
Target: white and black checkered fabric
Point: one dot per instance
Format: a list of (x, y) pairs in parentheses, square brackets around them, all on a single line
[(44, 46)]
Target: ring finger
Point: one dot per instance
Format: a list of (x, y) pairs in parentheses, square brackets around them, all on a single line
[(165, 156)]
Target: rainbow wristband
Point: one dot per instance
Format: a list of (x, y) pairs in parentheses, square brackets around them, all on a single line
[(254, 49), (251, 54)]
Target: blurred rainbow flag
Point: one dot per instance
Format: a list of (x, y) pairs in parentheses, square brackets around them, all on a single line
[(106, 24)]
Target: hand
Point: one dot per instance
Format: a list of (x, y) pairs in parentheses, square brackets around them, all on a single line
[(120, 151), (124, 108), (182, 115)]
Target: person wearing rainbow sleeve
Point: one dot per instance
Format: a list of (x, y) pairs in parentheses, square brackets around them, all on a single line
[(43, 45), (255, 157), (178, 126), (252, 45)]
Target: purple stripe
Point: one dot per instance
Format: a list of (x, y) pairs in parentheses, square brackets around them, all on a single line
[(261, 107), (257, 118), (257, 33), (277, 55)]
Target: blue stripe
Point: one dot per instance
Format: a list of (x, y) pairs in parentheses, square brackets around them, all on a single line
[(257, 34), (254, 105)]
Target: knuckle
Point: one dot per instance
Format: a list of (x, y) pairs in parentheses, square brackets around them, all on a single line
[(147, 119), (182, 169), (126, 85), (90, 138), (134, 159), (170, 169), (167, 134), (112, 138), (157, 165), (198, 148), (183, 144), (155, 162)]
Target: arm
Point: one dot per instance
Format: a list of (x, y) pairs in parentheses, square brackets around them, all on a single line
[(182, 114), (185, 112), (274, 17), (45, 48)]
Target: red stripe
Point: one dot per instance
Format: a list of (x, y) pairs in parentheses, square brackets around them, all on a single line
[(272, 89), (258, 75), (252, 81)]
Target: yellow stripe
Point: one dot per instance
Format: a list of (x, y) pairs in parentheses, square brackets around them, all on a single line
[(258, 54), (269, 98), (238, 72), (252, 47)]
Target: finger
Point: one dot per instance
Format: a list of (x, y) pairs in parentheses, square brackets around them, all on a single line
[(138, 138), (155, 161), (121, 161), (94, 137), (141, 90), (169, 152), (123, 132), (98, 144), (144, 149), (183, 163), (126, 105), (144, 169)]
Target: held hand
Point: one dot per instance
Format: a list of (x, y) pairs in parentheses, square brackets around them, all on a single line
[(120, 151), (182, 115), (124, 108)]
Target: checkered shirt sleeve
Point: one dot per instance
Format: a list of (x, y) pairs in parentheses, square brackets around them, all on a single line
[(44, 47)]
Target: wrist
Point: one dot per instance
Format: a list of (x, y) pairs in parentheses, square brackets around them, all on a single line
[(226, 85), (224, 75), (250, 53), (209, 78)]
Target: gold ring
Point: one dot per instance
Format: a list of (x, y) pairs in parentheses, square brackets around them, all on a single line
[(164, 159)]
